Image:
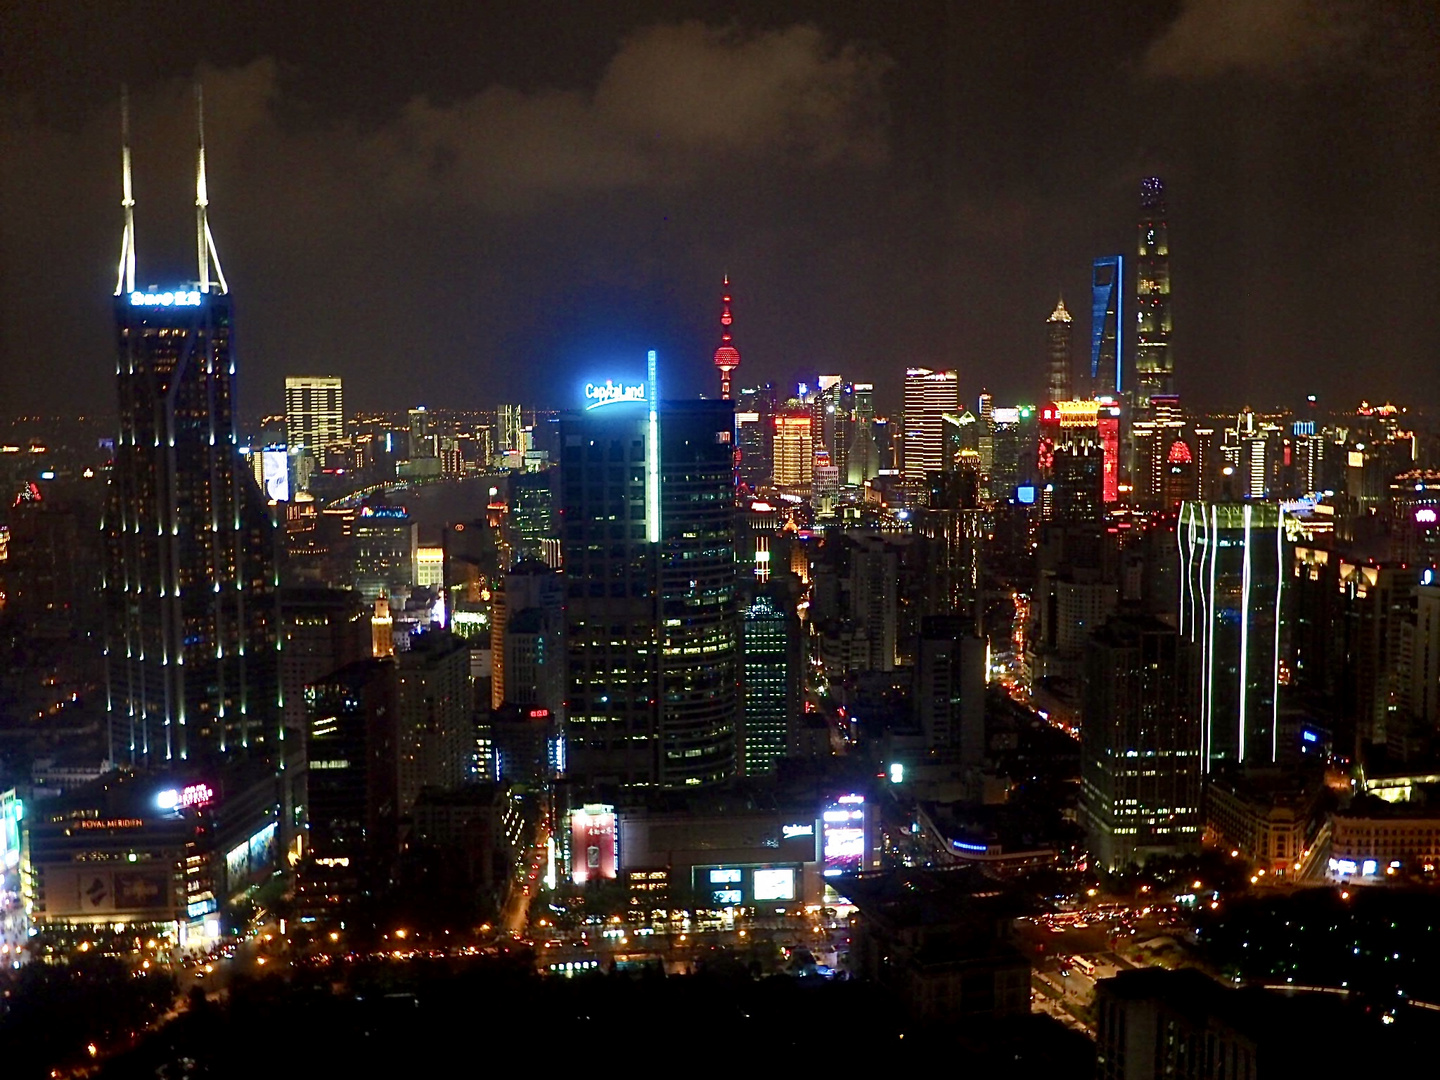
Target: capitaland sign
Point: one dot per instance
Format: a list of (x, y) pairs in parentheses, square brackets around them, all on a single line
[(792, 831), (609, 393), (179, 298)]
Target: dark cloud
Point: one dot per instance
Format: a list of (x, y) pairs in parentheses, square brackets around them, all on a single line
[(1210, 38), (488, 202)]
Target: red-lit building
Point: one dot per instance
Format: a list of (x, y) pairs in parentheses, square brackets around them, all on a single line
[(1075, 425)]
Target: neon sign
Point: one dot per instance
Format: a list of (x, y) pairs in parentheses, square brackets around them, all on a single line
[(179, 298), (612, 392), (186, 798), (1425, 515), (792, 831)]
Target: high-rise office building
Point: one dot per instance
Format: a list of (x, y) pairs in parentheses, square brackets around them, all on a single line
[(1077, 492), (1154, 362), (950, 687), (530, 525), (421, 439), (190, 583), (383, 549), (1232, 570), (435, 732), (508, 429), (325, 629), (1058, 342), (1077, 425), (314, 413), (1140, 743), (1108, 329), (794, 454), (528, 639), (755, 434), (353, 784), (771, 709), (929, 395), (648, 542), (727, 357)]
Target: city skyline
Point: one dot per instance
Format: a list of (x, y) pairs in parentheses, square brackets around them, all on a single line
[(444, 611), (569, 258)]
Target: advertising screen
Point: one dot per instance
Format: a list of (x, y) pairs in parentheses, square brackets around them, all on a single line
[(725, 877), (237, 867), (844, 835), (728, 897), (75, 891), (775, 884), (275, 468), (593, 852)]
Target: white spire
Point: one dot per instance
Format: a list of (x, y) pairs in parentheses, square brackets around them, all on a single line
[(125, 277), (204, 241)]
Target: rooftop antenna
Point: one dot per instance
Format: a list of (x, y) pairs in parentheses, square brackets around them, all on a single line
[(125, 277), (204, 241)]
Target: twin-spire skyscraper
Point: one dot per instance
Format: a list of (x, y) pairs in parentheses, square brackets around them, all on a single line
[(191, 636)]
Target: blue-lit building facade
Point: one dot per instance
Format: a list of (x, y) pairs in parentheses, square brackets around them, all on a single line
[(647, 530), (1232, 569), (1108, 328)]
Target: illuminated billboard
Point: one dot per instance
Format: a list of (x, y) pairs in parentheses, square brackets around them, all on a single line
[(609, 393), (74, 891), (176, 298), (774, 884), (254, 858), (843, 835), (190, 797), (594, 853), (275, 471)]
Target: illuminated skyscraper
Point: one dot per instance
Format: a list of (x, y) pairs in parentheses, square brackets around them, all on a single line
[(1058, 343), (929, 395), (191, 614), (1232, 563), (648, 544), (1154, 363), (727, 357), (1108, 330), (794, 454), (770, 634), (314, 413), (1140, 743)]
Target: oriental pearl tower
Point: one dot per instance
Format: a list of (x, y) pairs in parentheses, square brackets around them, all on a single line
[(727, 357)]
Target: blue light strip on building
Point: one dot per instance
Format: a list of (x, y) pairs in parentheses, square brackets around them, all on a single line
[(652, 456)]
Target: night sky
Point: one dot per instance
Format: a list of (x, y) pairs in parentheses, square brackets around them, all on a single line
[(463, 203)]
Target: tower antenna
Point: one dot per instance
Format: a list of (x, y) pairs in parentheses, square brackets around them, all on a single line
[(204, 240), (125, 276)]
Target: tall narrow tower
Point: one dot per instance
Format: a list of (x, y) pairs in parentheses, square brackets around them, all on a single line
[(189, 586), (1108, 331), (727, 357), (1057, 339), (1154, 364)]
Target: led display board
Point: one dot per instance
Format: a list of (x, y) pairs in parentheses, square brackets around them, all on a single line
[(774, 884), (843, 835), (594, 853), (275, 469)]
